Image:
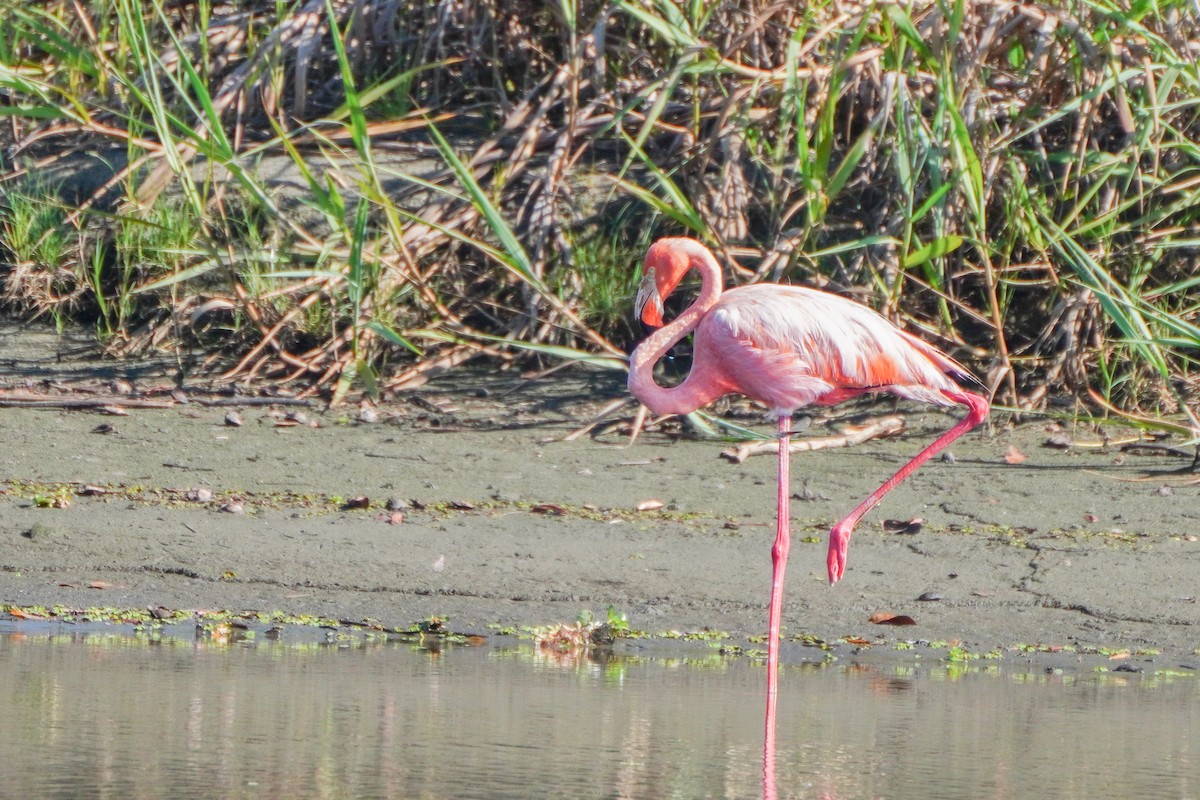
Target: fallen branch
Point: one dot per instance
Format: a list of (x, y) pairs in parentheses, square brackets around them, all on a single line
[(28, 400), (32, 400), (604, 414), (852, 435), (221, 402)]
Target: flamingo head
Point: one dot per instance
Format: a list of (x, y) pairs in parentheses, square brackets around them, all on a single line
[(667, 261)]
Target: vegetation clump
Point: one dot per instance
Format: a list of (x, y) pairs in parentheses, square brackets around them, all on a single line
[(1018, 182)]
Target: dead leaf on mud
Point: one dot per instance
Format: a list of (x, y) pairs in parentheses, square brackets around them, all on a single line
[(461, 505), (19, 614), (99, 585), (858, 640), (1090, 517), (362, 501), (1119, 656), (92, 491), (888, 618), (649, 505), (548, 508), (104, 428), (1014, 456)]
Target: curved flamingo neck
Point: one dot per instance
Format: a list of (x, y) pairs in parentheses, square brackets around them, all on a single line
[(699, 388)]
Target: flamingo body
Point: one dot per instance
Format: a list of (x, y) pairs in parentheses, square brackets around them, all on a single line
[(787, 347)]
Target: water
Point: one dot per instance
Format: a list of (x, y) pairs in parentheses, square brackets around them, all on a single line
[(108, 716)]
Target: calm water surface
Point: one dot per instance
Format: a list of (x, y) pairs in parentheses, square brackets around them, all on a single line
[(108, 716)]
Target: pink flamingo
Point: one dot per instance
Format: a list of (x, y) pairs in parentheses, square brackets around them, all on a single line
[(787, 347)]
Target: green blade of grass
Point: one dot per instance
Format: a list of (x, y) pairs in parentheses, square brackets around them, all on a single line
[(935, 249)]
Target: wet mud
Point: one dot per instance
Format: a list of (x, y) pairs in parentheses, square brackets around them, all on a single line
[(496, 521)]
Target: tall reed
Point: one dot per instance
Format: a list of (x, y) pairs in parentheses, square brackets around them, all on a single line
[(1019, 182)]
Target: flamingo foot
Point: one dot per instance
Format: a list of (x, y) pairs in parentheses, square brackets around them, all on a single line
[(839, 544)]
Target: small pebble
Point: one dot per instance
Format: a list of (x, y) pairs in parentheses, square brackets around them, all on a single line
[(233, 419), (199, 495), (368, 415), (907, 527), (40, 531), (396, 504)]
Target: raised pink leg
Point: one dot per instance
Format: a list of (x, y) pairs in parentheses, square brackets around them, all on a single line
[(839, 537), (779, 554)]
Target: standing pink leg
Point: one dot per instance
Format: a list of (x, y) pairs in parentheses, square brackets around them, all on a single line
[(779, 554), (770, 792), (839, 537)]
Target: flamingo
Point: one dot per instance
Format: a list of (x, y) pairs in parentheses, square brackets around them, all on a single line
[(787, 347)]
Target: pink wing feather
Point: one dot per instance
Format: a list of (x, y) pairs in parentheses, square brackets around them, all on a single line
[(789, 347)]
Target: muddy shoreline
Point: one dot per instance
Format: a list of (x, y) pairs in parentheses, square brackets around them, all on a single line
[(1069, 551)]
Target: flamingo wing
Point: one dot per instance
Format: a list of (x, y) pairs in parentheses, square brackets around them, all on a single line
[(789, 347)]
